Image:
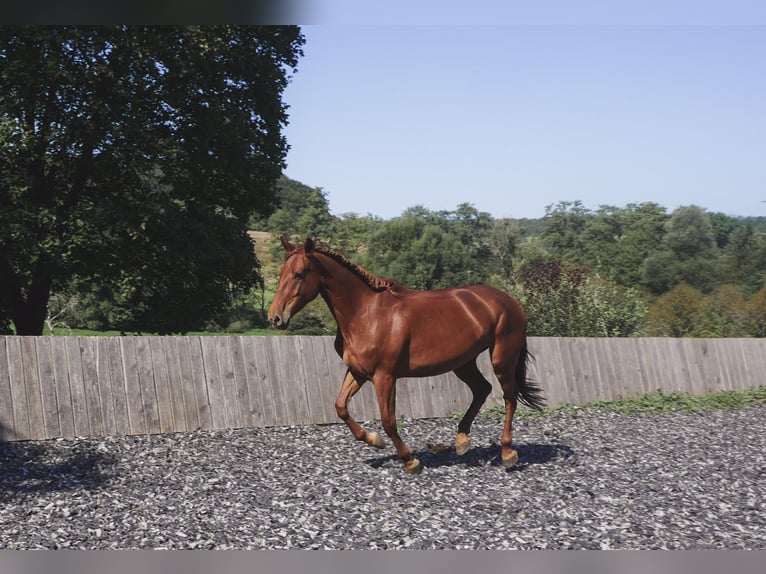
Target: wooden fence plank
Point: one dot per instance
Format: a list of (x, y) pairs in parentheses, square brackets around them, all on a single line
[(51, 426), (254, 383), (164, 398), (33, 389), (133, 393), (91, 384), (648, 364), (295, 382), (61, 384), (269, 395), (77, 387), (146, 385), (175, 382), (117, 377), (601, 376), (213, 382), (558, 387), (434, 390), (7, 425), (233, 418), (320, 397), (194, 409), (18, 391), (281, 367), (241, 381), (193, 349), (730, 364), (683, 381), (752, 355), (105, 384)]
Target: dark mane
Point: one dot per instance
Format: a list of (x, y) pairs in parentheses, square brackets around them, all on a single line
[(375, 283)]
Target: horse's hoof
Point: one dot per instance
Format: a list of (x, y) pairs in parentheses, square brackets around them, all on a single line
[(462, 444), (413, 466), (510, 459), (374, 439)]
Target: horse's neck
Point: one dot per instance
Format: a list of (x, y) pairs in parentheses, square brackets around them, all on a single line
[(345, 293)]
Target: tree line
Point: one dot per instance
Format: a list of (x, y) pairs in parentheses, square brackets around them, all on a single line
[(615, 271)]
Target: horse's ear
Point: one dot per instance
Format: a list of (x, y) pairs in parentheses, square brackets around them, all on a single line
[(289, 247), (308, 247)]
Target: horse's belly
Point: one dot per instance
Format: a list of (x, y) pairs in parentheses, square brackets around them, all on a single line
[(439, 357)]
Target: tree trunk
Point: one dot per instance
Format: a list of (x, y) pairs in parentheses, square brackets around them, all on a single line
[(29, 312)]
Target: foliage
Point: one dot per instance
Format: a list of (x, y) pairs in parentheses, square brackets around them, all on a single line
[(757, 313), (430, 250), (688, 253), (618, 240), (303, 212), (563, 301), (743, 260), (563, 233), (600, 290), (675, 313), (130, 160)]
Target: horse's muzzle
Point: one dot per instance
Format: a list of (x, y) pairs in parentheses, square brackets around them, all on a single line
[(278, 323)]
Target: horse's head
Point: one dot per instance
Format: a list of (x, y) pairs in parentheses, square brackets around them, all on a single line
[(299, 282)]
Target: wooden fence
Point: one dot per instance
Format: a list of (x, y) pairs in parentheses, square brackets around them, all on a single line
[(77, 386)]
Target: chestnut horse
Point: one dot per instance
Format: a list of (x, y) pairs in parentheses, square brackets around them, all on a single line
[(386, 331)]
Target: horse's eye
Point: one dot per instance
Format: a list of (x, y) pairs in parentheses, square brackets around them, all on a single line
[(299, 275)]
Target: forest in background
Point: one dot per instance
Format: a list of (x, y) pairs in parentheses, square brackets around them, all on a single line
[(634, 270)]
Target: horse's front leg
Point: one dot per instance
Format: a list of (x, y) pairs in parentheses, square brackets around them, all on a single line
[(385, 389), (348, 389)]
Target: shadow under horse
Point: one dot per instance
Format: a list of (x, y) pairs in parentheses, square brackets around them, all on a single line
[(386, 332)]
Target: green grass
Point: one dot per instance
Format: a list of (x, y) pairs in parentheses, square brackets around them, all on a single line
[(658, 402), (87, 333)]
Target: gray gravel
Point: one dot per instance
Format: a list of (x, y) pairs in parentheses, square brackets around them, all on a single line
[(590, 480)]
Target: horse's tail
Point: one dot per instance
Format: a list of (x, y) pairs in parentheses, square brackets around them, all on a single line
[(529, 392)]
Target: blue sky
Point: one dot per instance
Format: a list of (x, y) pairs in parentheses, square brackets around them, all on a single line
[(515, 117)]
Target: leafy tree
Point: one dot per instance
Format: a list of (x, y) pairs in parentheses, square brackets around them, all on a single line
[(429, 250), (562, 301), (131, 158), (724, 313), (744, 258), (722, 225), (757, 313), (618, 240), (303, 212), (687, 253), (504, 240), (675, 314), (564, 230)]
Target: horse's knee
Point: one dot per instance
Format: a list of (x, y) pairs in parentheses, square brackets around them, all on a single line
[(342, 410)]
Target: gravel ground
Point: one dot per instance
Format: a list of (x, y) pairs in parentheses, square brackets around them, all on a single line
[(588, 480)]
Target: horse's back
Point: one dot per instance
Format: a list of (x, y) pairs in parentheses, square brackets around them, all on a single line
[(445, 328), (479, 302)]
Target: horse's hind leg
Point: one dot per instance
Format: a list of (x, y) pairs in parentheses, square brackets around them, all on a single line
[(505, 354), (348, 389), (480, 387)]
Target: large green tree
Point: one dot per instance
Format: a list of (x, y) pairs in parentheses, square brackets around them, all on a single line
[(429, 250), (687, 253), (131, 158)]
